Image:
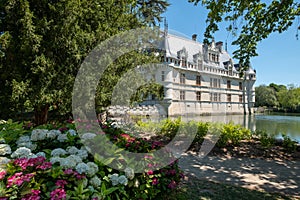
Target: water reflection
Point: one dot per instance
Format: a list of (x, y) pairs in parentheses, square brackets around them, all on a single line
[(272, 124)]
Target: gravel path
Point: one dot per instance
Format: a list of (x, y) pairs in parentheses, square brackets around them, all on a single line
[(258, 174)]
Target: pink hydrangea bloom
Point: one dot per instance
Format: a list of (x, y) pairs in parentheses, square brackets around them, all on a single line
[(2, 174), (58, 194)]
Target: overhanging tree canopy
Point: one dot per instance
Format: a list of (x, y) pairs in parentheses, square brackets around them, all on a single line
[(251, 20)]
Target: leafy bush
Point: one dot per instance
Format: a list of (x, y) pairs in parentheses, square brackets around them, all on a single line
[(54, 164), (265, 139), (289, 144)]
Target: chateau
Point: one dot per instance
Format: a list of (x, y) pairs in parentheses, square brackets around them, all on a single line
[(201, 79)]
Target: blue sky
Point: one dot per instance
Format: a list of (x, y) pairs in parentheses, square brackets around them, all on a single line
[(279, 55)]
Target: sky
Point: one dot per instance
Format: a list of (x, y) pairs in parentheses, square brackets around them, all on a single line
[(279, 55)]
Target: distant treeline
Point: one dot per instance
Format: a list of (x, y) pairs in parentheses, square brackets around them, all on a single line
[(279, 97)]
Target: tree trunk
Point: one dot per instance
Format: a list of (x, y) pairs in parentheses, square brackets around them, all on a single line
[(41, 114)]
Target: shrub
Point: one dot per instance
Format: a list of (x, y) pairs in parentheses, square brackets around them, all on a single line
[(289, 144), (265, 139), (54, 164)]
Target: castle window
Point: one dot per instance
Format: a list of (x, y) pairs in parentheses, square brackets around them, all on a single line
[(198, 80), (182, 78), (183, 63), (162, 75), (198, 96), (228, 84), (228, 97), (182, 95), (240, 85), (241, 98)]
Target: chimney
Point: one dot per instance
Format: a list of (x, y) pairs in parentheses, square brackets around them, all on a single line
[(194, 37), (219, 45)]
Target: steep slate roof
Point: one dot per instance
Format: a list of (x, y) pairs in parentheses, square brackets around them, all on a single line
[(174, 43)]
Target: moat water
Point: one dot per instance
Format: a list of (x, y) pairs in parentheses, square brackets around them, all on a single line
[(273, 124)]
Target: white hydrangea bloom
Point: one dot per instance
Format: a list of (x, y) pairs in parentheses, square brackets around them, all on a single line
[(38, 134), (28, 145), (67, 163), (41, 154), (123, 180), (88, 136), (129, 173), (32, 156), (75, 158), (72, 150), (21, 152), (23, 139), (54, 160), (93, 169), (92, 189), (114, 178), (95, 181), (72, 132), (52, 134), (62, 137), (82, 168), (5, 149), (83, 154), (58, 152), (4, 160)]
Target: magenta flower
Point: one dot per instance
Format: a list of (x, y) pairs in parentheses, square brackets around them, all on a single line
[(154, 181), (172, 184), (2, 174), (18, 179), (61, 183), (58, 194), (150, 172), (33, 196), (44, 166)]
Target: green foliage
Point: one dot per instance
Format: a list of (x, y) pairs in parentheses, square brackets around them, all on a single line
[(265, 139), (44, 43), (232, 134), (251, 21), (265, 96), (170, 127), (289, 144)]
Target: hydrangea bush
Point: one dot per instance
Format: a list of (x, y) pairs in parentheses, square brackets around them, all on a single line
[(54, 164)]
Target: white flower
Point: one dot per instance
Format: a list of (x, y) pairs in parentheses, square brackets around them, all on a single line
[(52, 134), (95, 181), (38, 134), (41, 154), (23, 139), (3, 121), (75, 158), (67, 163), (54, 160), (72, 132), (93, 169), (5, 149), (88, 136), (58, 152), (22, 152), (72, 150), (4, 160), (83, 154), (114, 179), (123, 180), (62, 137), (129, 173), (82, 168)]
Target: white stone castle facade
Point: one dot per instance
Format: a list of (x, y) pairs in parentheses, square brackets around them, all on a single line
[(202, 79)]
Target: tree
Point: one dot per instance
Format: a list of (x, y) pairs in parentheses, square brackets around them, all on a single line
[(43, 43), (265, 96), (251, 20)]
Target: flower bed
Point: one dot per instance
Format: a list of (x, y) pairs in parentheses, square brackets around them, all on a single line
[(54, 164)]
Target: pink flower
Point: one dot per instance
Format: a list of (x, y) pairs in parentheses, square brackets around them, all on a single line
[(58, 194), (172, 172), (33, 196), (2, 174), (154, 181), (61, 183), (44, 166), (150, 172), (18, 179), (172, 184), (68, 171)]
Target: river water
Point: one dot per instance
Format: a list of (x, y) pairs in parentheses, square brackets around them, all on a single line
[(273, 124)]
